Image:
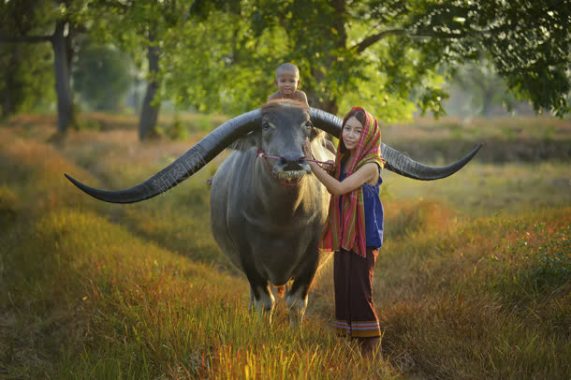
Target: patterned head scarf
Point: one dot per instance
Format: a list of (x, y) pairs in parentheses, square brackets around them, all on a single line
[(346, 222)]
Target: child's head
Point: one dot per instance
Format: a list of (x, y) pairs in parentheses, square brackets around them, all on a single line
[(287, 78)]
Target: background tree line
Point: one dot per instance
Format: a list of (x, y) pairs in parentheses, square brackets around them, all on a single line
[(392, 56)]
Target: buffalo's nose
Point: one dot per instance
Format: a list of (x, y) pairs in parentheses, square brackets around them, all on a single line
[(292, 162)]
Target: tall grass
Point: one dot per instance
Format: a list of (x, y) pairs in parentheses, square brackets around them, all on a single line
[(490, 296), (91, 290), (86, 298)]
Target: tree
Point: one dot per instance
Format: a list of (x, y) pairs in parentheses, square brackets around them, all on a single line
[(526, 41), (26, 79), (214, 63), (478, 90), (130, 24), (390, 50), (388, 55), (142, 25), (29, 22), (102, 76)]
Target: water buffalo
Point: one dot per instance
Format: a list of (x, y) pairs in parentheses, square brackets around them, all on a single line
[(267, 210)]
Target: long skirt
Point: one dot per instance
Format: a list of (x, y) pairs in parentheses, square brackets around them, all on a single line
[(355, 314)]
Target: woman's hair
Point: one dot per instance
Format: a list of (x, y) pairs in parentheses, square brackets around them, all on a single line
[(359, 114)]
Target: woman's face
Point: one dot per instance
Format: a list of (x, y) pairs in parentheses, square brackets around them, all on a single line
[(351, 133)]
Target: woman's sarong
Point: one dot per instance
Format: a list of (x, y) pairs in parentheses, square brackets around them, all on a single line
[(355, 314)]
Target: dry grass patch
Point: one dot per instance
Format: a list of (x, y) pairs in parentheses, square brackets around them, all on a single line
[(485, 299)]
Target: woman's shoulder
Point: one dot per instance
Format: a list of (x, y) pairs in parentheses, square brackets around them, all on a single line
[(374, 171)]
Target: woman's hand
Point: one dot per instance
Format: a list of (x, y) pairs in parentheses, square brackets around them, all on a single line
[(329, 166)]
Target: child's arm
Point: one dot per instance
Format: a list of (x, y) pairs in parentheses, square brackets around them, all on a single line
[(300, 96), (365, 174), (275, 95)]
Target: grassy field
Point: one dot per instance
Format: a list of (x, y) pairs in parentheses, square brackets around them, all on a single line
[(474, 280)]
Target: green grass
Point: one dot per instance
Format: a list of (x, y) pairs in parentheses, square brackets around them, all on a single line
[(474, 280)]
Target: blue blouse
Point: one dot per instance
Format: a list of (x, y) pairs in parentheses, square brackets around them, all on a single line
[(374, 213)]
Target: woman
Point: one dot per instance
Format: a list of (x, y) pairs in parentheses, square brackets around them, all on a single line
[(355, 225)]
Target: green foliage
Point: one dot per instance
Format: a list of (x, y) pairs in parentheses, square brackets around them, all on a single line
[(379, 53), (102, 76), (527, 41), (390, 56), (26, 79), (210, 66)]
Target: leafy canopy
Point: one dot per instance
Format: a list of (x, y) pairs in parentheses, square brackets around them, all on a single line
[(387, 55)]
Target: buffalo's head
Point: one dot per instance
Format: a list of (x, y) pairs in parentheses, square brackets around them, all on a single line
[(285, 126)]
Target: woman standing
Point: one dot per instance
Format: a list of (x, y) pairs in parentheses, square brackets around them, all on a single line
[(355, 225)]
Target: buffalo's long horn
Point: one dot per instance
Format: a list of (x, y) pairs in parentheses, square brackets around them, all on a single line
[(186, 165), (395, 161)]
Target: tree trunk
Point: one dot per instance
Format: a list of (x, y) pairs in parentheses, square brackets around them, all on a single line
[(338, 35), (150, 112), (60, 44), (488, 101), (329, 104), (9, 103)]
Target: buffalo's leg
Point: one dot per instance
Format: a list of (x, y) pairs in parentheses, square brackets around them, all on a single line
[(261, 297), (296, 297)]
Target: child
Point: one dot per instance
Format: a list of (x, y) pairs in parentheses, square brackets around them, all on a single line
[(355, 225), (287, 80)]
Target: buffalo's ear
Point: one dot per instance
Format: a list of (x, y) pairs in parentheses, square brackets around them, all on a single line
[(315, 132), (251, 139)]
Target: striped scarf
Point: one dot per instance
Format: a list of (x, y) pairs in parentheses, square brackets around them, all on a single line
[(346, 223)]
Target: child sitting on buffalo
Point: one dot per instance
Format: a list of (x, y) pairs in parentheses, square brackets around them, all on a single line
[(287, 81)]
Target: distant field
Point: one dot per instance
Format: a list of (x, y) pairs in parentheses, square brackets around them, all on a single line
[(474, 280), (487, 189), (506, 139)]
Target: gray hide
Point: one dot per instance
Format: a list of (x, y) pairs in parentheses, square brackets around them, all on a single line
[(266, 221)]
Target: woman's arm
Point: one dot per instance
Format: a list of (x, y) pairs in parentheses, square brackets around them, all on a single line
[(365, 174)]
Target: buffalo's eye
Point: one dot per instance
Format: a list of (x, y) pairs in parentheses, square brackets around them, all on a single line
[(266, 126), (308, 125)]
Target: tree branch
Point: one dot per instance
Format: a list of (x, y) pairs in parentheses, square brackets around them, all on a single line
[(374, 38), (25, 39), (443, 35)]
